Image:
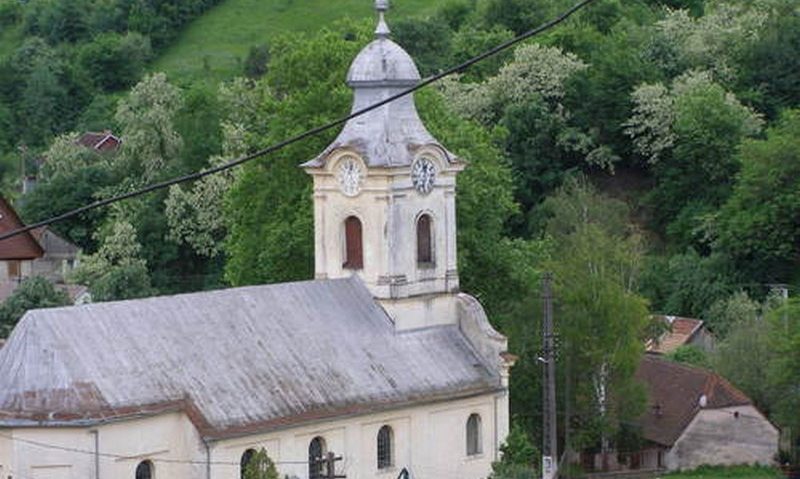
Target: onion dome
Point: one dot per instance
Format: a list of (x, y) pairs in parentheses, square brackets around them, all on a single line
[(391, 135)]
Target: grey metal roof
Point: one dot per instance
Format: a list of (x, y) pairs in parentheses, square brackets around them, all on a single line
[(383, 61), (240, 359), (389, 136)]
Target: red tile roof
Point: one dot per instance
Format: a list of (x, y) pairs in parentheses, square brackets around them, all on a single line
[(681, 331), (674, 397), (20, 247), (102, 141)]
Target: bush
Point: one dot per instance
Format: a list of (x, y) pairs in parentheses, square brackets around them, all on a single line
[(10, 12)]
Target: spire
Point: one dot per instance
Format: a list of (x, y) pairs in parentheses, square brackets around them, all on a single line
[(382, 31)]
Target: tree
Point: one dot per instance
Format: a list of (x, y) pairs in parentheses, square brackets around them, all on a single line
[(260, 466), (767, 63), (116, 271), (33, 293), (690, 134), (115, 61), (269, 205), (602, 321), (519, 457), (73, 190), (690, 354), (146, 118), (196, 216), (759, 226)]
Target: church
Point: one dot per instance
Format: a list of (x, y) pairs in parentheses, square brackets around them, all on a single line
[(379, 362)]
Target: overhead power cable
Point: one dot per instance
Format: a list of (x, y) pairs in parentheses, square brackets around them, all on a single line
[(309, 133), (120, 457)]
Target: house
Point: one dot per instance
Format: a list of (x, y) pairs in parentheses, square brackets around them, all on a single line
[(695, 417), (18, 253), (681, 332), (379, 360), (39, 252), (103, 142)]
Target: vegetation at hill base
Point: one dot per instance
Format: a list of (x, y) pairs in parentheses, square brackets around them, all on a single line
[(647, 152), (742, 472)]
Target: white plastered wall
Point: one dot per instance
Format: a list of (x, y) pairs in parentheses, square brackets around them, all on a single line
[(723, 437), (429, 439)]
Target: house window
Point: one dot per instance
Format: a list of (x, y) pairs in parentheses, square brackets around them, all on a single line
[(144, 470), (425, 240), (14, 269), (354, 256), (474, 435), (385, 439), (316, 451), (245, 461)]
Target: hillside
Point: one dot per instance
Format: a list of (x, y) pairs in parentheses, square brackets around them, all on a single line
[(215, 45)]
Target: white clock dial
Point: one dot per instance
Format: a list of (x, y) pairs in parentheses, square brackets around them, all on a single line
[(350, 176), (423, 175)]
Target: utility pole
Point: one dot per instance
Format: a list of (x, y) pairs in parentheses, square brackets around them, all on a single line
[(549, 434)]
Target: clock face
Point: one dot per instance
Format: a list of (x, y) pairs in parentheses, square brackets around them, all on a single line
[(423, 175), (350, 176)]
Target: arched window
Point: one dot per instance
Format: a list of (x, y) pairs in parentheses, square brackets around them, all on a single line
[(316, 451), (144, 470), (385, 445), (354, 255), (246, 458), (425, 240), (474, 445)]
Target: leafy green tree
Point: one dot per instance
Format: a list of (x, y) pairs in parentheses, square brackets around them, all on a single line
[(260, 466), (743, 358), (470, 42), (515, 15), (783, 373), (768, 63), (33, 293), (690, 354), (257, 61), (691, 134), (39, 105), (115, 61), (146, 117), (759, 227), (427, 41), (601, 321), (269, 206), (725, 314), (519, 457), (687, 283), (73, 191), (116, 271)]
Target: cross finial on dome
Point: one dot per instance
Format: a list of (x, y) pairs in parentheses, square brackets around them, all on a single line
[(383, 29)]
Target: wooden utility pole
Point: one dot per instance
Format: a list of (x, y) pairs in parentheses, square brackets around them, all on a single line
[(549, 425)]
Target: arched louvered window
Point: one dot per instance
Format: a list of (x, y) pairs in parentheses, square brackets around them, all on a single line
[(425, 240), (316, 451), (354, 254), (145, 470), (474, 442), (385, 447), (246, 458)]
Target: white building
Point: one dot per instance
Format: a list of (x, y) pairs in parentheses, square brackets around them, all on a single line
[(379, 360)]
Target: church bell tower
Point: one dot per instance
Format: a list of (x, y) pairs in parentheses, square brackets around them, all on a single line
[(384, 194)]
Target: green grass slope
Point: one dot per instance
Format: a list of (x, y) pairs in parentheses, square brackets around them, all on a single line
[(215, 45)]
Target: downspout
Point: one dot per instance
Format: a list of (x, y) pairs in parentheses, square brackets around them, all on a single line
[(96, 435), (496, 432), (208, 458)]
